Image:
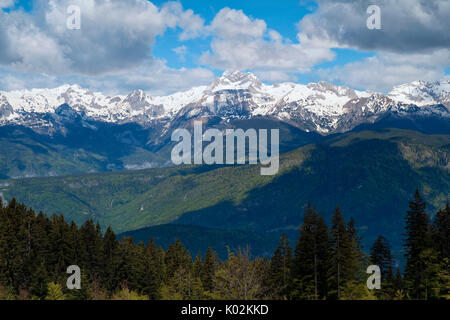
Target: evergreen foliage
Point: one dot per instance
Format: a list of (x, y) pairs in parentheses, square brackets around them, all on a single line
[(327, 262)]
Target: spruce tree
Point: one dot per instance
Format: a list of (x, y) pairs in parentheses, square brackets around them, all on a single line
[(111, 260), (380, 255), (441, 233), (341, 248), (418, 239), (209, 270), (280, 269), (155, 270), (177, 257), (310, 265)]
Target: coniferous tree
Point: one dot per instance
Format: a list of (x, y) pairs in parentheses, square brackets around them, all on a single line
[(441, 245), (380, 255), (356, 260), (198, 266), (127, 269), (92, 251), (280, 269), (209, 270), (418, 239), (36, 250), (155, 270), (441, 233), (111, 260), (398, 282), (177, 257), (340, 242), (310, 265)]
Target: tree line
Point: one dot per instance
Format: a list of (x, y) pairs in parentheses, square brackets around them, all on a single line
[(327, 262)]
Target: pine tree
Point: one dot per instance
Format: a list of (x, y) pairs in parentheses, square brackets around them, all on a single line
[(61, 247), (92, 251), (111, 260), (344, 254), (311, 259), (418, 239), (356, 258), (280, 269), (441, 233), (155, 270), (198, 266), (380, 255), (398, 282), (176, 257), (127, 271), (209, 270)]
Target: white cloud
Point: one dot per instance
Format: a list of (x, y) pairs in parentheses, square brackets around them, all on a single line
[(241, 42), (158, 79), (181, 51), (191, 24), (154, 77), (276, 76), (413, 43), (6, 3), (406, 25), (111, 51), (387, 69), (109, 41), (234, 24)]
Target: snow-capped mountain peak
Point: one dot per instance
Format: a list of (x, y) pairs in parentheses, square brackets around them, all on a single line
[(422, 93), (322, 107), (236, 80)]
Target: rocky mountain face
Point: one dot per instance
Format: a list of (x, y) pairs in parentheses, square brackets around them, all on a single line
[(321, 107)]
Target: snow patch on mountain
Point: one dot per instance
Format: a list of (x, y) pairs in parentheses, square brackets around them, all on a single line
[(322, 107)]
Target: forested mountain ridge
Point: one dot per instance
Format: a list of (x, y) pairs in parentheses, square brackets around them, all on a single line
[(326, 263), (71, 130), (370, 174)]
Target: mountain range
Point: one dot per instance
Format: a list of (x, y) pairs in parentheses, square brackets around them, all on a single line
[(71, 130), (364, 151), (371, 175), (321, 107)]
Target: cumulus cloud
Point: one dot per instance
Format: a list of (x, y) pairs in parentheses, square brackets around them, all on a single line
[(413, 43), (111, 49), (406, 25), (108, 41), (113, 46), (154, 77), (241, 42), (387, 69), (157, 78)]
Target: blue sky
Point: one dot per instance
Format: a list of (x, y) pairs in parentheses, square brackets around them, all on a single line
[(163, 47)]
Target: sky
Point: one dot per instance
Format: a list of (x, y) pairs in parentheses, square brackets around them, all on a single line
[(167, 46)]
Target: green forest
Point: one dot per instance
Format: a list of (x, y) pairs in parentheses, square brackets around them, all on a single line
[(326, 262)]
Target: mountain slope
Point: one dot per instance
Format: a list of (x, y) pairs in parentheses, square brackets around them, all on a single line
[(198, 239), (71, 130), (371, 175), (103, 147), (321, 107)]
